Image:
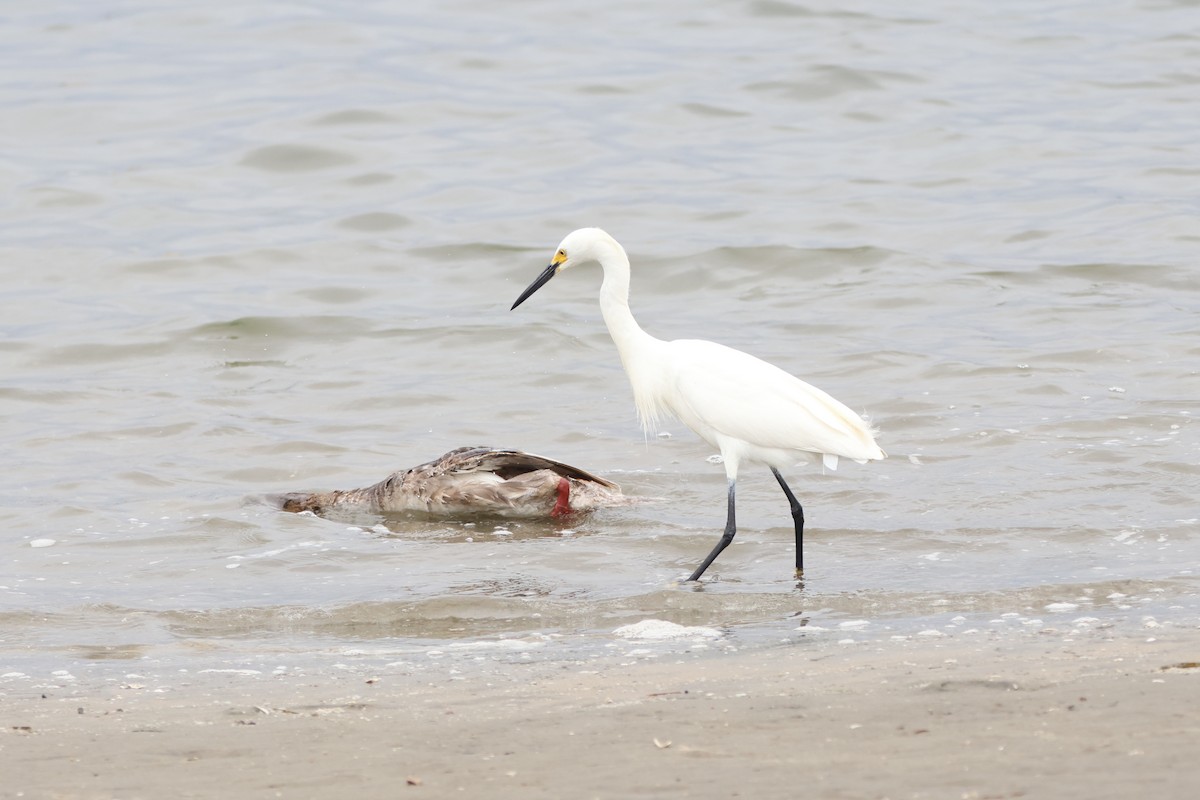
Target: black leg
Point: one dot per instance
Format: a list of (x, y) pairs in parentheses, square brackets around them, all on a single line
[(726, 538), (798, 518)]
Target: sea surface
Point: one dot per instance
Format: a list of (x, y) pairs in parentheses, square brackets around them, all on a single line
[(250, 248)]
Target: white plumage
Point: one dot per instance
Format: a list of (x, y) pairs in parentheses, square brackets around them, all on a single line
[(748, 409)]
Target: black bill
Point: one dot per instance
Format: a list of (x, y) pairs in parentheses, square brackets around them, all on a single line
[(538, 283)]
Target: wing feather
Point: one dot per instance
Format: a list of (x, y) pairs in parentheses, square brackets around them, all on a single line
[(731, 393)]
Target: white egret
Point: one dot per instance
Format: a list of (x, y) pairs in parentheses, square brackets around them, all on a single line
[(470, 481), (746, 408)]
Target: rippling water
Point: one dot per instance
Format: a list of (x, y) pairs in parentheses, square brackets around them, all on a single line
[(267, 247)]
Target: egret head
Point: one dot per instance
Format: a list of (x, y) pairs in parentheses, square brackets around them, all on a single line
[(581, 246)]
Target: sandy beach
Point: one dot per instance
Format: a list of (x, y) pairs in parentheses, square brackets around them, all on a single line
[(1033, 718)]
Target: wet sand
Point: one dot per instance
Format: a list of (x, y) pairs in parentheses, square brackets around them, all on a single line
[(1032, 718)]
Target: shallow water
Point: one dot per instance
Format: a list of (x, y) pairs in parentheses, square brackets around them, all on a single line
[(270, 248)]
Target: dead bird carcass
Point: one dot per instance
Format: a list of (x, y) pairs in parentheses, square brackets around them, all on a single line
[(474, 480)]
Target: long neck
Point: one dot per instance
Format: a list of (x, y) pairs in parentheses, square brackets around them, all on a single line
[(628, 336), (641, 354)]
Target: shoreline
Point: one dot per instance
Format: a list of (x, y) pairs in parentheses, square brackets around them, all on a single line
[(1101, 717)]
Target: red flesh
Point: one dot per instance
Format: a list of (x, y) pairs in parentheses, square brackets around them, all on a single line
[(562, 506)]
